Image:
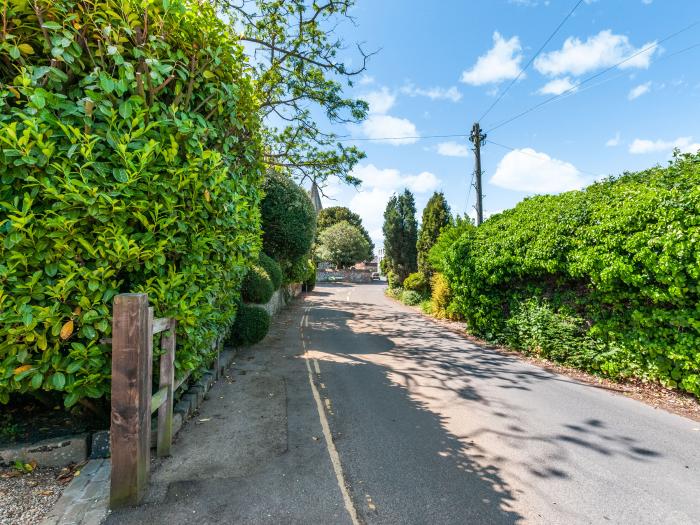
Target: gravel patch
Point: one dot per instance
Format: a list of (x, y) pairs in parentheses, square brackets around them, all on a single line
[(26, 498)]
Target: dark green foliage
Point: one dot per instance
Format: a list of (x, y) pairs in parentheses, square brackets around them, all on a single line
[(411, 298), (393, 280), (417, 283), (298, 271), (449, 235), (614, 267), (129, 162), (288, 220), (251, 325), (257, 286), (328, 217), (400, 234), (436, 217), (342, 245), (273, 269), (310, 279)]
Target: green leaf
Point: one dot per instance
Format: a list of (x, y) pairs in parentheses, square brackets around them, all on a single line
[(37, 380), (58, 380)]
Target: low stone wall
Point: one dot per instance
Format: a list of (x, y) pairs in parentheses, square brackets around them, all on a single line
[(281, 297), (347, 276)]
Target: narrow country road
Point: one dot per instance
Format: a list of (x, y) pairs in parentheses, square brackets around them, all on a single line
[(431, 429), (358, 410)]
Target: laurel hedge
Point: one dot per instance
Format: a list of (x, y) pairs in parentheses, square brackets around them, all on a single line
[(611, 272), (129, 162)]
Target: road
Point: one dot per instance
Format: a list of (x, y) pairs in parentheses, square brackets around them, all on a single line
[(433, 429), (358, 410)]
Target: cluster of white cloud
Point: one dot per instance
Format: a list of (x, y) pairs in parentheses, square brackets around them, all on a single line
[(535, 172), (380, 125), (435, 93), (639, 90), (558, 86), (501, 62), (452, 149), (642, 146)]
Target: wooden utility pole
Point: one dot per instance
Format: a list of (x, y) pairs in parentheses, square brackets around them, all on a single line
[(477, 137)]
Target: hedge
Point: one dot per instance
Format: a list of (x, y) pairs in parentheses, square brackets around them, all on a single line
[(615, 267), (257, 286), (273, 269), (251, 326), (129, 162)]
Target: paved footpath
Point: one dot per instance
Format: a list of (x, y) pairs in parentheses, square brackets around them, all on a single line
[(356, 409)]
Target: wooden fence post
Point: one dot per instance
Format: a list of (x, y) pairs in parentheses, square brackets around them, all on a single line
[(167, 380), (132, 348)]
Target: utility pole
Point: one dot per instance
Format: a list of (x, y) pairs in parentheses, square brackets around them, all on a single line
[(477, 137)]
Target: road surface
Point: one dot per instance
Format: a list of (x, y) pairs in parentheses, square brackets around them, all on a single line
[(356, 409)]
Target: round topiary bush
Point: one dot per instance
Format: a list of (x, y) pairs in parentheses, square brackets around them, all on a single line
[(257, 286), (251, 325), (272, 268), (288, 219)]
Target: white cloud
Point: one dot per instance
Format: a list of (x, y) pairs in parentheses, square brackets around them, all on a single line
[(527, 170), (615, 141), (605, 49), (639, 90), (380, 101), (399, 130), (366, 80), (643, 146), (378, 185), (452, 149), (434, 93), (501, 62), (557, 86)]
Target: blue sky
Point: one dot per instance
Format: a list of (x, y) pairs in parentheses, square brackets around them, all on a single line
[(442, 64)]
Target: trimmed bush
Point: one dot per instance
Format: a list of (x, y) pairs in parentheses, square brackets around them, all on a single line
[(251, 325), (441, 296), (129, 162), (417, 283), (613, 267), (273, 269), (257, 286), (411, 298), (310, 279), (288, 219)]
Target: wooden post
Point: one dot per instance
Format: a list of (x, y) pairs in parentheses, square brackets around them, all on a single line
[(132, 347), (167, 379)]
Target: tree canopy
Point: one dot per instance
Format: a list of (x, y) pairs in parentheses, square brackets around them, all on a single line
[(327, 217), (343, 244), (400, 234), (294, 54), (436, 216)]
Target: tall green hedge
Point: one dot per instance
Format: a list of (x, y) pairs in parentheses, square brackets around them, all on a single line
[(129, 162), (618, 264)]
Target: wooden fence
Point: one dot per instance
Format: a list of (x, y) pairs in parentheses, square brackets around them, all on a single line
[(133, 402)]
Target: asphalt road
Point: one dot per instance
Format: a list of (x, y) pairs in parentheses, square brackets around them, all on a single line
[(430, 428)]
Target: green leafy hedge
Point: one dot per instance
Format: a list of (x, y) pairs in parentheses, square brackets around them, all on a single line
[(613, 270), (417, 283), (257, 286), (129, 162), (273, 269), (251, 326)]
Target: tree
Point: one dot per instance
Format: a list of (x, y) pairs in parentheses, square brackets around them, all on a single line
[(343, 245), (400, 234), (436, 216), (299, 76), (327, 217)]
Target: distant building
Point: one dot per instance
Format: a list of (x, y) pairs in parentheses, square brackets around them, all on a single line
[(315, 196)]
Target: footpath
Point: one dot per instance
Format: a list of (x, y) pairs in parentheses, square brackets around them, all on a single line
[(255, 453)]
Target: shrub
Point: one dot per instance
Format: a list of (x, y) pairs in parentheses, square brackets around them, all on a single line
[(393, 280), (298, 271), (616, 264), (342, 245), (288, 220), (121, 170), (251, 325), (441, 296), (411, 298), (394, 293), (417, 283), (310, 279), (273, 269), (257, 286)]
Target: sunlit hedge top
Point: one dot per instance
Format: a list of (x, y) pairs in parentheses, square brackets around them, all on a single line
[(129, 161)]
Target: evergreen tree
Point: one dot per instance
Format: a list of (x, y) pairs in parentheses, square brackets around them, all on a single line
[(436, 215), (401, 234)]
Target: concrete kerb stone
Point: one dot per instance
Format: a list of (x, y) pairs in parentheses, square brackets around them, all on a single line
[(56, 452)]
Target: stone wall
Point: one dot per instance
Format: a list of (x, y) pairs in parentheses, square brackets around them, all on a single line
[(347, 276), (281, 297)]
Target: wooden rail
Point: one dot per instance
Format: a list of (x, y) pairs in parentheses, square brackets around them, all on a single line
[(133, 403)]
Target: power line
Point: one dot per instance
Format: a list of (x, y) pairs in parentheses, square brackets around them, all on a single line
[(522, 71), (415, 137), (592, 77)]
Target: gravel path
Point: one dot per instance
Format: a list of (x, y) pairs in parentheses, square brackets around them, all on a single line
[(26, 498)]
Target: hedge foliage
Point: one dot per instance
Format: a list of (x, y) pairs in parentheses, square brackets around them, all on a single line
[(257, 286), (273, 269), (613, 270), (251, 326), (417, 283), (129, 162)]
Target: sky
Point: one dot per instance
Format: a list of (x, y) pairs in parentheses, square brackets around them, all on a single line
[(441, 65)]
